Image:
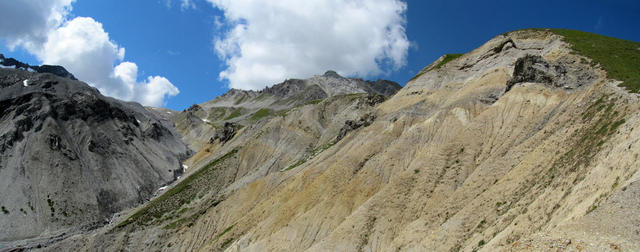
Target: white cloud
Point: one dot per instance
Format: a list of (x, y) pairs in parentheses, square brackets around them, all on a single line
[(27, 22), (83, 47), (273, 40)]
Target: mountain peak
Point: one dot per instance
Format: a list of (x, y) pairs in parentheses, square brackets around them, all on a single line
[(331, 73)]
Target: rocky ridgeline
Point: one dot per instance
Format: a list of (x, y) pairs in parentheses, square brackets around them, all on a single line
[(236, 108), (56, 70)]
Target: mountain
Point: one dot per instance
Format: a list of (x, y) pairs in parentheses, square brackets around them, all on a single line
[(238, 108), (70, 157), (527, 143)]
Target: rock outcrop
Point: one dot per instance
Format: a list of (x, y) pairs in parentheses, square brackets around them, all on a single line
[(225, 133), (351, 125), (70, 158), (15, 64)]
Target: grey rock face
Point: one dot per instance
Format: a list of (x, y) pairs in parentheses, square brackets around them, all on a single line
[(531, 68), (535, 69), (70, 157), (351, 125), (225, 133)]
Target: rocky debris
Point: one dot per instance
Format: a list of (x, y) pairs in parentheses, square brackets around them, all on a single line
[(194, 108), (531, 68), (373, 99), (225, 133), (564, 73), (56, 70), (351, 125)]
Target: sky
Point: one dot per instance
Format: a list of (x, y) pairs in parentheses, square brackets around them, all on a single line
[(175, 53)]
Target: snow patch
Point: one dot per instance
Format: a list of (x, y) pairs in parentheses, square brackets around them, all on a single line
[(139, 122), (3, 66), (162, 188), (184, 167), (205, 120), (25, 82)]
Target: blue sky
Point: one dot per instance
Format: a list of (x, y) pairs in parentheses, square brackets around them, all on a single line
[(177, 43)]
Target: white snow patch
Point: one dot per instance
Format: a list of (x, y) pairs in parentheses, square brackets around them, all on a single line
[(185, 167), (3, 66), (31, 69), (25, 82), (205, 120), (162, 188), (139, 122)]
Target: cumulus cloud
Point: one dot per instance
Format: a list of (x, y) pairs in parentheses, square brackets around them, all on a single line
[(269, 41), (83, 47), (27, 22), (83, 40)]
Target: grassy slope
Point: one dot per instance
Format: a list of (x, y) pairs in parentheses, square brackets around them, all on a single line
[(260, 114), (447, 58), (173, 199), (620, 58)]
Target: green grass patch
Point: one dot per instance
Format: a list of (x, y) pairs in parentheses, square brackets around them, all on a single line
[(182, 193), (226, 243), (234, 114), (216, 114), (4, 210), (620, 58), (240, 100), (226, 230), (181, 221), (260, 114), (447, 58), (296, 164)]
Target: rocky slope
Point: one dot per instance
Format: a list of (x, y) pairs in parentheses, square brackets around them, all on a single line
[(237, 108), (527, 143), (70, 158)]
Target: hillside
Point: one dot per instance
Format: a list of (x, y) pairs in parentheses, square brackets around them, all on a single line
[(70, 158), (200, 124), (527, 143)]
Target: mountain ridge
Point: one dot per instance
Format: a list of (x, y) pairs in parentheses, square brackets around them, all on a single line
[(523, 144)]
